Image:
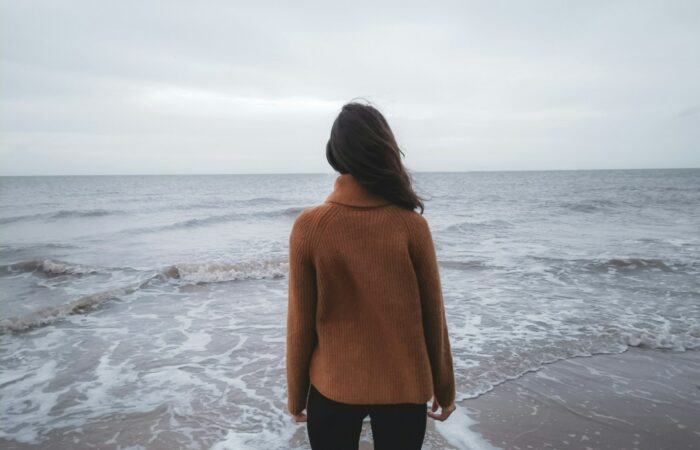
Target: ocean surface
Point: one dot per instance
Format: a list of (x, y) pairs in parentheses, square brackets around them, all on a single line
[(149, 311)]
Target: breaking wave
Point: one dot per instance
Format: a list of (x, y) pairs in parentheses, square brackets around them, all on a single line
[(81, 305), (194, 273), (220, 272), (47, 268)]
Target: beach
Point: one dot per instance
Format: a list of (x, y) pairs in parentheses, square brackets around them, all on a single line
[(640, 399), (149, 311)]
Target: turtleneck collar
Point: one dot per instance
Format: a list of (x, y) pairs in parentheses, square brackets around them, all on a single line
[(348, 191)]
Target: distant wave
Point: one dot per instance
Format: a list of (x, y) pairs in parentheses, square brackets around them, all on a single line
[(197, 273), (589, 206), (623, 264), (292, 211), (259, 200), (85, 213), (218, 219), (470, 226), (62, 214), (632, 264), (624, 204), (23, 218), (37, 248), (196, 222), (464, 265)]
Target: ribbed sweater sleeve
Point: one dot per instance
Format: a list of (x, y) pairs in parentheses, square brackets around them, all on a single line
[(301, 332), (425, 264)]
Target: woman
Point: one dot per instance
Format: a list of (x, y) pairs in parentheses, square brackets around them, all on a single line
[(366, 328)]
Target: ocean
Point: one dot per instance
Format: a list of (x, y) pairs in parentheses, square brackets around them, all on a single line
[(149, 311)]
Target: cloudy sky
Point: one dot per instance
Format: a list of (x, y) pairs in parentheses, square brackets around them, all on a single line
[(96, 87)]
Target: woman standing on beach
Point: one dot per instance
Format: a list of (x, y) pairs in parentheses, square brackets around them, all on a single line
[(366, 327)]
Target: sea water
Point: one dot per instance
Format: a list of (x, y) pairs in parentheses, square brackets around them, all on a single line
[(149, 311)]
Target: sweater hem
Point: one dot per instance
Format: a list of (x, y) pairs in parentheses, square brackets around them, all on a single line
[(340, 399)]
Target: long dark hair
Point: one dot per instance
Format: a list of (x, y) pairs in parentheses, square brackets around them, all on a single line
[(362, 144)]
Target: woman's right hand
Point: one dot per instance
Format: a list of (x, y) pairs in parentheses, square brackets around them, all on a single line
[(444, 414)]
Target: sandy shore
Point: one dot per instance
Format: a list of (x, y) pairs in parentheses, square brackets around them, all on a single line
[(641, 399)]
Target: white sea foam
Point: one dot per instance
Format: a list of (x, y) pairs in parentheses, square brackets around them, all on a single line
[(457, 433), (47, 267), (217, 272)]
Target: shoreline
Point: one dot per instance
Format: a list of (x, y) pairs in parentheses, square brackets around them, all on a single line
[(638, 399)]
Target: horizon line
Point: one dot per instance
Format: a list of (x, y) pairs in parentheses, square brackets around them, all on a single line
[(334, 172)]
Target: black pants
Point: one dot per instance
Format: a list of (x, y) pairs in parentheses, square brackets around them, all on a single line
[(337, 426)]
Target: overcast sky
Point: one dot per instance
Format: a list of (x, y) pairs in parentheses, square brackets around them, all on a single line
[(93, 87)]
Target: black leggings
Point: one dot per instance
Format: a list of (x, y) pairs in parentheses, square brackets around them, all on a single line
[(337, 426)]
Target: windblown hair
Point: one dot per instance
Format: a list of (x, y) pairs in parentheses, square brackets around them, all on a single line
[(362, 144)]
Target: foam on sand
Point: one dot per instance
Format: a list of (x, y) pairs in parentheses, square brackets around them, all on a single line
[(457, 432)]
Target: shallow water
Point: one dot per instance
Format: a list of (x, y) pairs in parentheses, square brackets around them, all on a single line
[(149, 310)]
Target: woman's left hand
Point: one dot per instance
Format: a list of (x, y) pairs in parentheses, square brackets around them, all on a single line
[(301, 417)]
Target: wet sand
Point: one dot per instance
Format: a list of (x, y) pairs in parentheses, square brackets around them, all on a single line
[(640, 399)]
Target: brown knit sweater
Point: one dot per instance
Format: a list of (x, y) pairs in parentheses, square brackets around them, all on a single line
[(366, 321)]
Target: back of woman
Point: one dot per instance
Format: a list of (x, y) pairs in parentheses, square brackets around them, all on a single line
[(366, 327)]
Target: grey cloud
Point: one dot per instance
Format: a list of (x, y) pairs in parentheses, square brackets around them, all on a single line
[(692, 111), (254, 86)]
